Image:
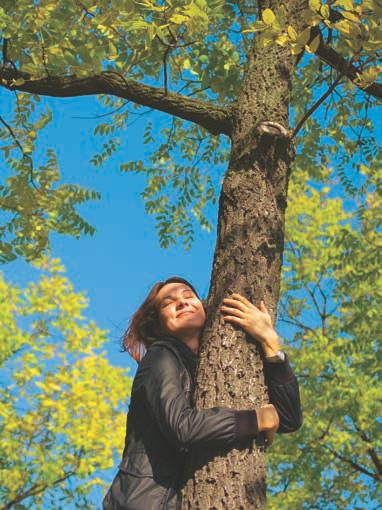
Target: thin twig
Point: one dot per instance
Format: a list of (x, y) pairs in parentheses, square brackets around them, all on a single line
[(314, 107), (25, 156), (295, 322), (13, 135), (103, 114), (352, 463)]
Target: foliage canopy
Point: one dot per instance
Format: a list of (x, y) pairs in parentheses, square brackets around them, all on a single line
[(331, 300), (196, 52)]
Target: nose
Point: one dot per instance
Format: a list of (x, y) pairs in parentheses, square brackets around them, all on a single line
[(182, 302)]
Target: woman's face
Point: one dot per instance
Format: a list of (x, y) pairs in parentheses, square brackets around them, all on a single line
[(180, 311)]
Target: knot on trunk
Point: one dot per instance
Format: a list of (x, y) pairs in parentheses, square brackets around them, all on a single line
[(270, 128)]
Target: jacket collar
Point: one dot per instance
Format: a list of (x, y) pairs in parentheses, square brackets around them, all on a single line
[(189, 357), (181, 346)]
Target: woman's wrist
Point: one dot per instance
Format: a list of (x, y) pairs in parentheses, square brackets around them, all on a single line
[(271, 344)]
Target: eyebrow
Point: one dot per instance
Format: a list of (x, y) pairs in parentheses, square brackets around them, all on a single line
[(171, 296)]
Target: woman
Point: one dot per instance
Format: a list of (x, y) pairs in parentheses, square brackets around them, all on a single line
[(163, 423)]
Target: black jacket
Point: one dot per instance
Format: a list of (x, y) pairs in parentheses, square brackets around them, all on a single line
[(162, 424)]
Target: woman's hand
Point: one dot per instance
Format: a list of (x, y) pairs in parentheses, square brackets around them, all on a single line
[(255, 321), (268, 421)]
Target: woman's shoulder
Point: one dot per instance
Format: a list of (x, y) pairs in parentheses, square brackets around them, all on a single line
[(161, 354)]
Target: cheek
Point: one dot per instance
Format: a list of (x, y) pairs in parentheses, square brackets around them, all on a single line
[(202, 314), (165, 319)]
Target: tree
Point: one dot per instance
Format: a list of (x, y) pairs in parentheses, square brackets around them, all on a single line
[(62, 405), (216, 78), (331, 299)]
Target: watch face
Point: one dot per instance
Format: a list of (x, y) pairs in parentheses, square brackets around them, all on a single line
[(278, 358)]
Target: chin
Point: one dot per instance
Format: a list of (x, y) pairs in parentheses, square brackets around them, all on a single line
[(187, 322)]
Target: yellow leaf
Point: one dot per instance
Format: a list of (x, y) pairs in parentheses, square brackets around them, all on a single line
[(178, 19), (346, 4), (347, 28), (187, 63), (113, 51), (350, 16), (292, 33), (373, 45), (265, 41), (314, 4), (282, 40), (55, 50), (324, 10), (268, 16), (50, 7)]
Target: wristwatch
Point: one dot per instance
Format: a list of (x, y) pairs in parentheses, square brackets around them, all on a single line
[(278, 358)]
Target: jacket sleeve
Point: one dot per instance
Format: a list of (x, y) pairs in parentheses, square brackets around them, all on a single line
[(284, 394), (183, 425)]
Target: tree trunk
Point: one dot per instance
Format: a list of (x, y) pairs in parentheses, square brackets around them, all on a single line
[(248, 260)]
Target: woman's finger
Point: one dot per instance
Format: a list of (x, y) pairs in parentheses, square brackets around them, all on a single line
[(232, 311), (232, 318), (263, 308), (241, 298), (242, 303), (237, 304)]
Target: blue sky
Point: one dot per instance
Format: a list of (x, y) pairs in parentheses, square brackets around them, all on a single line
[(119, 264)]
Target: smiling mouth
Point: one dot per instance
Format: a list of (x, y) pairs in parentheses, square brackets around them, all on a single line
[(183, 313)]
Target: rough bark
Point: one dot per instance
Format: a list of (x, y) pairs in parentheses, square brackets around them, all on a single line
[(248, 259)]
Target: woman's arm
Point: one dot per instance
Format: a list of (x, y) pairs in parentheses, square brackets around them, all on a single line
[(159, 385), (284, 394), (279, 377)]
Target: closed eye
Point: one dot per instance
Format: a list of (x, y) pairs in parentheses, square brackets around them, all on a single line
[(186, 294)]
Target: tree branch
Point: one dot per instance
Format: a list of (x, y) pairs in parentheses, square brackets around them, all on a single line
[(356, 466), (371, 451), (214, 119), (314, 107), (36, 489), (345, 68)]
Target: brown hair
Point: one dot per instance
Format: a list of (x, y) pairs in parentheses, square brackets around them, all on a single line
[(142, 330)]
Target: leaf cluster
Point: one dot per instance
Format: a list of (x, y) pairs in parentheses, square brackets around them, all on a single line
[(61, 402), (33, 201), (176, 193), (331, 300)]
